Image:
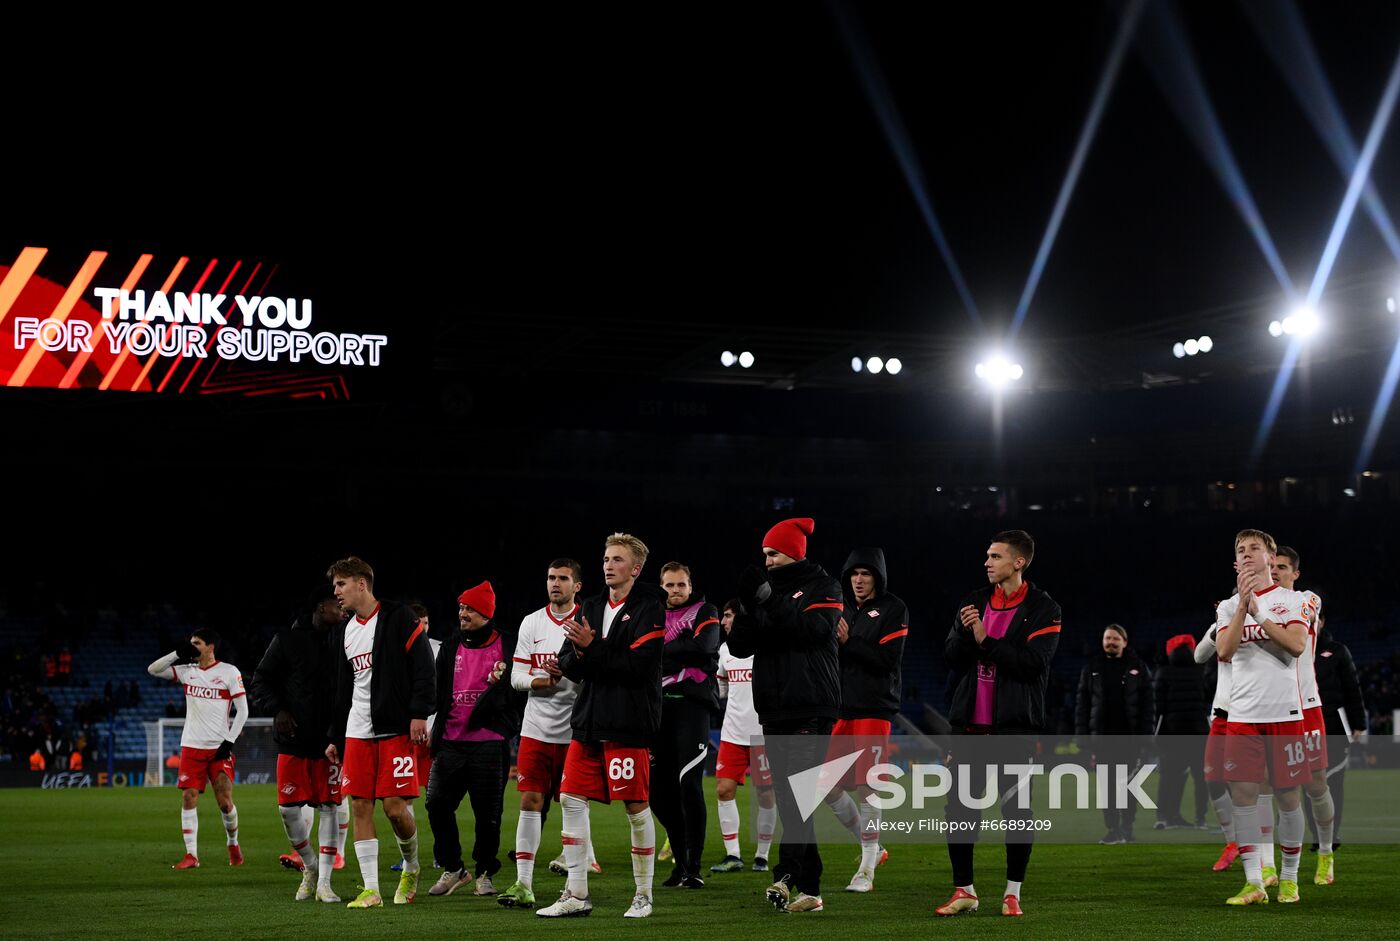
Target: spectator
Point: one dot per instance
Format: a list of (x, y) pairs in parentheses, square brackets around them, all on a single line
[(1114, 706), (1182, 705)]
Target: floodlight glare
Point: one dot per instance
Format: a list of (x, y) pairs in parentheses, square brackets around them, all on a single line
[(1206, 344), (996, 371), (746, 359), (1191, 347), (1390, 304), (1016, 371), (1275, 328), (1178, 350), (981, 371), (893, 366), (1303, 321), (728, 358), (875, 364), (856, 364)]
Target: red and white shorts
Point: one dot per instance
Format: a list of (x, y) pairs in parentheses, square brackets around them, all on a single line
[(606, 771), (307, 781), (423, 763), (870, 736), (198, 767), (1256, 749), (736, 760), (539, 766), (1315, 738), (1215, 750), (379, 767)]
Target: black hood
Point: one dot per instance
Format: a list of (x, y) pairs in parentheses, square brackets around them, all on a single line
[(871, 558)]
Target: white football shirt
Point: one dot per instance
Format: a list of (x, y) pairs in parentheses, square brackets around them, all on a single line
[(1307, 674), (547, 711), (610, 613), (736, 682), (1264, 682), (359, 650), (209, 695)]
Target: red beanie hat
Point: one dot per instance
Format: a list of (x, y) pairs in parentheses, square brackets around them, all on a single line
[(481, 599), (1180, 640), (790, 537)]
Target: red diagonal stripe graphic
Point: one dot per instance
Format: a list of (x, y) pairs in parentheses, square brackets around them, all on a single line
[(79, 361)]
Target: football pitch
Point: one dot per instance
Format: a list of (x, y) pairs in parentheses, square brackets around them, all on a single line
[(96, 863)]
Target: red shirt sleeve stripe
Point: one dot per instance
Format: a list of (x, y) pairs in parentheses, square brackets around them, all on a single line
[(889, 637), (1052, 629), (521, 660), (417, 629), (822, 604), (705, 623), (646, 637)]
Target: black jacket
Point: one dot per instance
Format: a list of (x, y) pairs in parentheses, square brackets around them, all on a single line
[(1090, 716), (298, 674), (499, 709), (694, 646), (871, 682), (792, 638), (1179, 693), (619, 696), (401, 687), (1022, 661), (1337, 685)]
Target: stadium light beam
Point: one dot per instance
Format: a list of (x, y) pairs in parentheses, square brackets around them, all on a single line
[(1168, 55), (881, 101), (1358, 181), (1380, 410), (1286, 38), (1266, 422), (1087, 133)]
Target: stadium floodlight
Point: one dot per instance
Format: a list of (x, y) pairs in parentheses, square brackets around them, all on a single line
[(997, 371), (1206, 344), (1302, 322), (1178, 349), (1276, 328), (893, 366), (727, 358), (875, 364), (1191, 347), (1390, 304), (857, 364), (746, 359)]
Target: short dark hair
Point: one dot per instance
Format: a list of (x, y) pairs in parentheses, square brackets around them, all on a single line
[(208, 635), (352, 567), (1292, 555), (419, 609), (731, 605), (1020, 542), (676, 567), (566, 563), (1118, 629)]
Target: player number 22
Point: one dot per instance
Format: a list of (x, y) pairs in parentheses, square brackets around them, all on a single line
[(622, 769), (403, 766)]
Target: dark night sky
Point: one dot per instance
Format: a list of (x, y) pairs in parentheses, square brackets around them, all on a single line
[(714, 163)]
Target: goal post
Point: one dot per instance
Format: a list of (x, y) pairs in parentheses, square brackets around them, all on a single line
[(255, 752)]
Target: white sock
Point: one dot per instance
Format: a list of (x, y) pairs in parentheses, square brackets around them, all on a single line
[(231, 825), (409, 849), (970, 889), (189, 828), (1247, 834), (527, 840), (847, 813), (308, 814), (869, 837), (342, 817), (729, 826), (330, 833), (574, 827), (299, 835), (410, 812), (643, 850), (1223, 813), (1013, 889), (767, 819), (1323, 814), (368, 853), (1291, 824), (1266, 831)]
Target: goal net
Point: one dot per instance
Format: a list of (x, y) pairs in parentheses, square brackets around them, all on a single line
[(255, 753)]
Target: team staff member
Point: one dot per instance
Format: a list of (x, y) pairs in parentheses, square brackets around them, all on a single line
[(613, 651), (871, 632), (788, 625), (295, 682), (1002, 640), (1114, 711), (476, 720), (690, 699), (1341, 691), (384, 695)]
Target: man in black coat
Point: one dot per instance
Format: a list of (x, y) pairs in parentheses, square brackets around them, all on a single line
[(1179, 693), (788, 625), (1340, 691), (1114, 709), (1000, 646), (295, 682)]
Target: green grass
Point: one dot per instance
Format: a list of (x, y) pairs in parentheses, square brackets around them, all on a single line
[(96, 863)]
